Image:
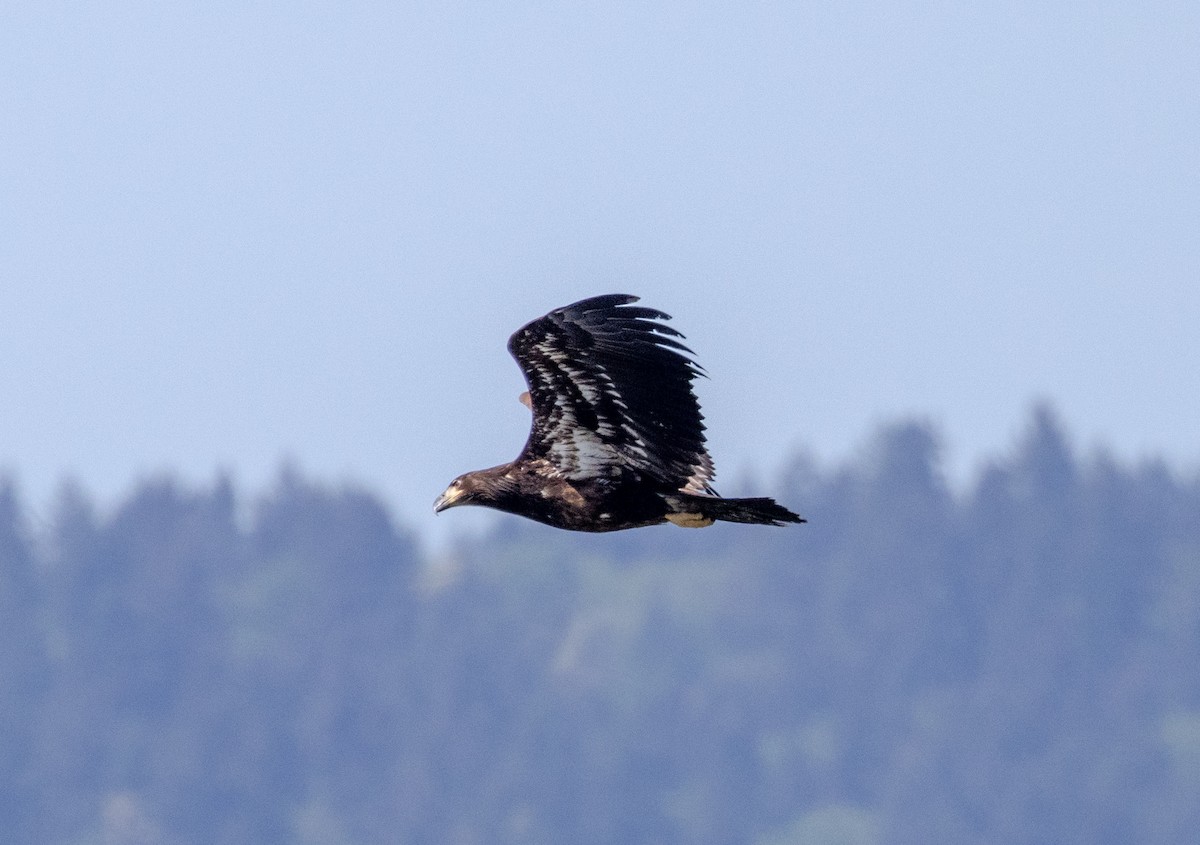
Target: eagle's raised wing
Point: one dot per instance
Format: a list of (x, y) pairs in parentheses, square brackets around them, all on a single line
[(611, 389)]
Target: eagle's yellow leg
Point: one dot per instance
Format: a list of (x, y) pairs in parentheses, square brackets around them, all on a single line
[(689, 520)]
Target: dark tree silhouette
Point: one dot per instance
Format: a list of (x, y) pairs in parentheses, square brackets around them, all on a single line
[(1013, 662)]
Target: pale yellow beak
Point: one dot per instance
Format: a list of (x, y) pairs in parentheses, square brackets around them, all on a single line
[(449, 499)]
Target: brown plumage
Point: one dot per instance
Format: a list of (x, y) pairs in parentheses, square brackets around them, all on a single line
[(617, 439)]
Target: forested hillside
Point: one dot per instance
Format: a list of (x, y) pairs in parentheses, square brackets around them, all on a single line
[(1015, 663)]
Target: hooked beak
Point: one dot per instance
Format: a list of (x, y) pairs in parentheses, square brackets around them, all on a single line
[(449, 499)]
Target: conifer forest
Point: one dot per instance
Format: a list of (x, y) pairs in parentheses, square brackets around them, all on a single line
[(1011, 660)]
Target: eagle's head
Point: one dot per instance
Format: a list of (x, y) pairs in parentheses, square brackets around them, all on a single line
[(471, 488), (458, 493)]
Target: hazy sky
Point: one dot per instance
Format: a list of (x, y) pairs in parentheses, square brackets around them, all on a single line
[(232, 233)]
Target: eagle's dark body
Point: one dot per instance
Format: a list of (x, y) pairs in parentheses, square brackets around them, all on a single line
[(618, 438)]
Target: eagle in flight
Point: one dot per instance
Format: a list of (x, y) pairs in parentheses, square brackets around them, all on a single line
[(617, 438)]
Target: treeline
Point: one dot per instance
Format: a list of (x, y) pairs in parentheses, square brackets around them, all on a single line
[(1016, 663)]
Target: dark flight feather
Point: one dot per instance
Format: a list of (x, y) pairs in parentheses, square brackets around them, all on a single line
[(617, 439)]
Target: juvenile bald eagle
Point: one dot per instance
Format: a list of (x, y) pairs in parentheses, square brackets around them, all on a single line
[(617, 438)]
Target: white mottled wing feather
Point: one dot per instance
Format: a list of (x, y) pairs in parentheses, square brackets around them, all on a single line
[(611, 393)]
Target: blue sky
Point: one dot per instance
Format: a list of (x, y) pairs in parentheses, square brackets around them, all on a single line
[(232, 234)]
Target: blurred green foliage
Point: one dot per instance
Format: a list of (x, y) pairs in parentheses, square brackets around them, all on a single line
[(1015, 662)]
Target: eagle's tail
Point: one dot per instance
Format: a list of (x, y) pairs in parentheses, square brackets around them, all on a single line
[(690, 510)]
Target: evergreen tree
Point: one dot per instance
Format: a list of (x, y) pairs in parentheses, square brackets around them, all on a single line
[(1015, 663)]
